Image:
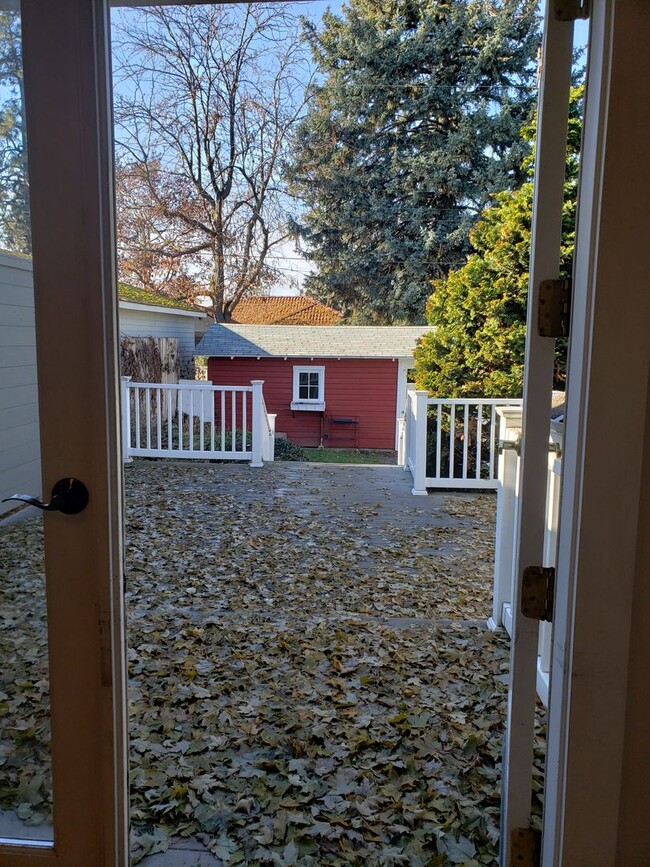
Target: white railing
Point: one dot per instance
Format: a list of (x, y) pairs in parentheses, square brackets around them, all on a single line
[(507, 521), (196, 420), (451, 442)]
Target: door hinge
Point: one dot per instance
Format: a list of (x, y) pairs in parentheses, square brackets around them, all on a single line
[(571, 10), (554, 311), (525, 847), (537, 592)]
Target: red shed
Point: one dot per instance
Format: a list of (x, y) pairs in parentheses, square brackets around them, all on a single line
[(332, 385)]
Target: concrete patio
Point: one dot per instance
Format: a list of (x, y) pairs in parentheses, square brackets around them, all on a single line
[(311, 677)]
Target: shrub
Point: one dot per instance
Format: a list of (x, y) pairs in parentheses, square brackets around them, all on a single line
[(285, 450)]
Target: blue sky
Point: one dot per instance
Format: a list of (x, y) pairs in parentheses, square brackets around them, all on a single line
[(286, 258)]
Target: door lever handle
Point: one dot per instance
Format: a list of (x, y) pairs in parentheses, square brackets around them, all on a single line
[(69, 496)]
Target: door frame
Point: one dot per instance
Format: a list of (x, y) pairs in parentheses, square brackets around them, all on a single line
[(66, 53), (596, 771), (68, 109)]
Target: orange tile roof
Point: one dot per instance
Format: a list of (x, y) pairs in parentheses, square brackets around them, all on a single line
[(283, 310)]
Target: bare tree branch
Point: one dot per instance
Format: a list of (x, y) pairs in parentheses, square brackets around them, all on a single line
[(206, 100)]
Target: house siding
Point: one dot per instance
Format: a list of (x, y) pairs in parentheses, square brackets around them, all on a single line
[(20, 455), (365, 389), (142, 323)]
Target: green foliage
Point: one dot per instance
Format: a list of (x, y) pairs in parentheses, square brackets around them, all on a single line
[(351, 456), (285, 450), (413, 123), (156, 299), (480, 310)]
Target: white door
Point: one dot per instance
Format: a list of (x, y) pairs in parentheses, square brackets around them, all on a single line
[(553, 104), (64, 46)]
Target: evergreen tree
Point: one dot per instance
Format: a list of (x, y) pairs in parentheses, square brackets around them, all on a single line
[(413, 124), (479, 311)]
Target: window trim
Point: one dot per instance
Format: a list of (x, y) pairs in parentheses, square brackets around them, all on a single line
[(314, 404)]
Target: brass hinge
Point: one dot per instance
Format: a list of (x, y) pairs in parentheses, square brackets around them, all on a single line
[(537, 592), (554, 311), (571, 10), (525, 847)]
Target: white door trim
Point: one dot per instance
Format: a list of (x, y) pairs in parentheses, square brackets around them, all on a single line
[(610, 356)]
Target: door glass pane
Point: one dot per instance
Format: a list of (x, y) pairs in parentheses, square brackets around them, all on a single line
[(25, 766)]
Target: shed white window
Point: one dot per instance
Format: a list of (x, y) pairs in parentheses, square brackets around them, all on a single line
[(308, 388)]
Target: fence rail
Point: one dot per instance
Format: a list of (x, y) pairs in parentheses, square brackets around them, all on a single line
[(196, 420), (451, 442)]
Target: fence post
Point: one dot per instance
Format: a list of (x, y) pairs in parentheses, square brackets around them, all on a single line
[(258, 423), (401, 440), (271, 447), (507, 505), (126, 419), (421, 408)]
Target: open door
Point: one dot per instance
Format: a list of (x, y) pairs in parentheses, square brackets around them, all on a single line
[(67, 102), (553, 105)]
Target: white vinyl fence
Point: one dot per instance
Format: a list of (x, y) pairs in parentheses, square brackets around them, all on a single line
[(197, 420), (507, 520), (450, 443)]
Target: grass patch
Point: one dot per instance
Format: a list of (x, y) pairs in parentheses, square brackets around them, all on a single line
[(350, 456)]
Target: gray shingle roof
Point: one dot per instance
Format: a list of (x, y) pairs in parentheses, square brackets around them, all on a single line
[(307, 341)]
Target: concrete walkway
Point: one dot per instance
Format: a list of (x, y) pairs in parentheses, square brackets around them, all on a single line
[(370, 505), (293, 632)]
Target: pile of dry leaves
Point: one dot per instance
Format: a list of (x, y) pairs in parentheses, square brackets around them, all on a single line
[(311, 678)]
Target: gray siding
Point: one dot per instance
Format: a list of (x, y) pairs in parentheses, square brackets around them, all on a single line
[(142, 323), (20, 459)]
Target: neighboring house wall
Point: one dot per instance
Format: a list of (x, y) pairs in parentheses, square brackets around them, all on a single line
[(151, 323), (20, 460), (362, 388)]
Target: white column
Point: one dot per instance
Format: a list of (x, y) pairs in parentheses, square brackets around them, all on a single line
[(125, 405), (271, 447), (420, 408), (509, 431), (258, 431), (401, 440)]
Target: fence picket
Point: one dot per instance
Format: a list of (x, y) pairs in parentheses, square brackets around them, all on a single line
[(438, 439), (233, 422), (222, 421), (465, 440), (148, 403), (137, 418), (202, 422), (493, 436), (479, 439), (169, 419), (158, 420), (452, 439), (244, 421)]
